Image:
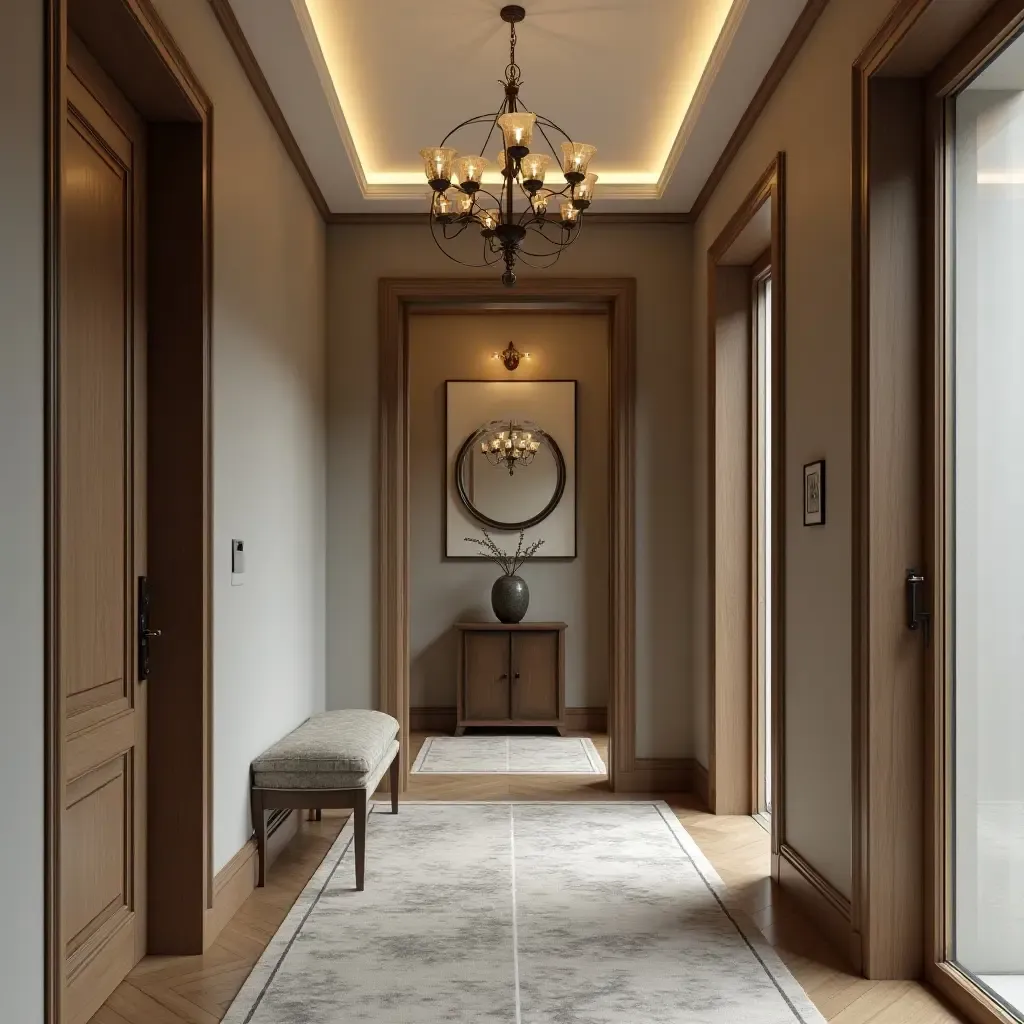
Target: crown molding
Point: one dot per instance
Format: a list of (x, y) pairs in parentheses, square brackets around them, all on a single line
[(392, 219), (373, 191), (233, 31), (790, 48)]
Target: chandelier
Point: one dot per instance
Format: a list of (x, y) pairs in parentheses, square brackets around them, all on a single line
[(510, 447), (519, 223)]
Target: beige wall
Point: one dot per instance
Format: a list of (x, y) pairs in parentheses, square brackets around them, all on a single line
[(21, 508), (269, 485), (809, 118), (659, 258), (561, 347)]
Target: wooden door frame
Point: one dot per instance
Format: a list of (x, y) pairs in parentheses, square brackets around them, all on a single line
[(397, 298), (888, 918), (153, 73), (731, 775), (760, 739)]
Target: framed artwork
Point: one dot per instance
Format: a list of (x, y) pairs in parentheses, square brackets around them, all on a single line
[(814, 493)]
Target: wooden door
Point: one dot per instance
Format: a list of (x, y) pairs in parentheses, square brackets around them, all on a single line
[(487, 676), (100, 544), (535, 676)]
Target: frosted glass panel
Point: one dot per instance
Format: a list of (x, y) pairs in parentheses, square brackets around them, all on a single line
[(988, 532)]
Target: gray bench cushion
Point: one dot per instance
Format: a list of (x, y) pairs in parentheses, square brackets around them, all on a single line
[(330, 750), (328, 780)]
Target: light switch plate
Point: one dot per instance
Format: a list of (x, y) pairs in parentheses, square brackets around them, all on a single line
[(237, 561)]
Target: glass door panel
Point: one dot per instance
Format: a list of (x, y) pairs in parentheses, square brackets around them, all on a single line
[(987, 527)]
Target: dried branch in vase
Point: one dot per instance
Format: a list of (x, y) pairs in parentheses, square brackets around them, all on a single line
[(509, 564)]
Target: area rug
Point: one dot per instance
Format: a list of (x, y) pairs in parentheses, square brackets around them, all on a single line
[(508, 755), (520, 913)]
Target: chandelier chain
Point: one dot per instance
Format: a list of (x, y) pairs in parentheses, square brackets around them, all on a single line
[(513, 71)]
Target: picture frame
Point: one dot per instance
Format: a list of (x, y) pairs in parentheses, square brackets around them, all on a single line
[(814, 493)]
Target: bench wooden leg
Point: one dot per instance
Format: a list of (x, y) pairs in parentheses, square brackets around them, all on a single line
[(359, 813), (393, 782), (259, 824)]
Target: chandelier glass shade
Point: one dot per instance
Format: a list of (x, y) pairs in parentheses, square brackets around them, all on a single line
[(531, 217), (510, 446)]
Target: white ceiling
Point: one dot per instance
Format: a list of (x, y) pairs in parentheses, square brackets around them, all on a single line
[(657, 85)]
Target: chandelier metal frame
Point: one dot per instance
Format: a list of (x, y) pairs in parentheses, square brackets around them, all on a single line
[(506, 237)]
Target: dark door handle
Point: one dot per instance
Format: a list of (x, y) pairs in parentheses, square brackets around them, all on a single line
[(145, 633), (918, 616)]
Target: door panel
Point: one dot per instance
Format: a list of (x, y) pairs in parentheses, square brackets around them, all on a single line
[(987, 555), (487, 676), (535, 676), (101, 546)]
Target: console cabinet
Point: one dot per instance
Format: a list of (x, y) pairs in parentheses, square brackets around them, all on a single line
[(511, 674)]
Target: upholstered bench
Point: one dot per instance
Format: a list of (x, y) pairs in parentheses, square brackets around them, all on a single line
[(334, 759)]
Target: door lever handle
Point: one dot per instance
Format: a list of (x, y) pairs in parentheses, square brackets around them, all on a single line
[(918, 616)]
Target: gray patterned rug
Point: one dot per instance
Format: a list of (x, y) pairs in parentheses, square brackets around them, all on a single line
[(508, 755), (523, 913)]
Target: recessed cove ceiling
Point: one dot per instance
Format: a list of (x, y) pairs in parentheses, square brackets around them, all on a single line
[(658, 86)]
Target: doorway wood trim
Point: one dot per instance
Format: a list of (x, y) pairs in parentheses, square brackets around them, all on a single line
[(731, 704), (399, 296), (156, 78), (898, 742)]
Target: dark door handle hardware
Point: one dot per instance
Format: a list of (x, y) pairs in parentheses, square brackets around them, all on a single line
[(145, 634), (918, 616)]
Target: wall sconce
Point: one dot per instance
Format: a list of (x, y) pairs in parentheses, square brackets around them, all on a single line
[(511, 356)]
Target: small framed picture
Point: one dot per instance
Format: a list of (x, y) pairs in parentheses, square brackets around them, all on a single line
[(814, 493)]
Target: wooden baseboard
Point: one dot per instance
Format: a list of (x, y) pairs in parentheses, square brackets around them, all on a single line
[(427, 719), (442, 719), (237, 879), (827, 907), (586, 719), (701, 783), (657, 775)]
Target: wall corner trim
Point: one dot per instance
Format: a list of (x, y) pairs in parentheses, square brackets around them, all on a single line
[(236, 37), (798, 35)]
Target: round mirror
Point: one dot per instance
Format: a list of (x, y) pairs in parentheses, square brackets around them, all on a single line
[(505, 490)]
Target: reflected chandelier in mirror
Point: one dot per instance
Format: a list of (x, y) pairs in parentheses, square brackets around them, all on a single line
[(510, 445), (504, 501)]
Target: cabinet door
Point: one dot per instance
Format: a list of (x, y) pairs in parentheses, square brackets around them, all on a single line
[(486, 677), (535, 671)]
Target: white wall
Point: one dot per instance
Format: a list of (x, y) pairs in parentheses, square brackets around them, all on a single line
[(659, 258), (269, 416), (21, 509), (442, 592), (809, 118)]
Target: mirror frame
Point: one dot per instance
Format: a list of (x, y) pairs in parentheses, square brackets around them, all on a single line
[(468, 446)]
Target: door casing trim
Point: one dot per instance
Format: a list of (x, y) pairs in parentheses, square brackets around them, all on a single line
[(155, 49), (397, 296)]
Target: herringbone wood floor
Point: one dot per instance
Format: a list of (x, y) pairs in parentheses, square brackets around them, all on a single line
[(199, 989)]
